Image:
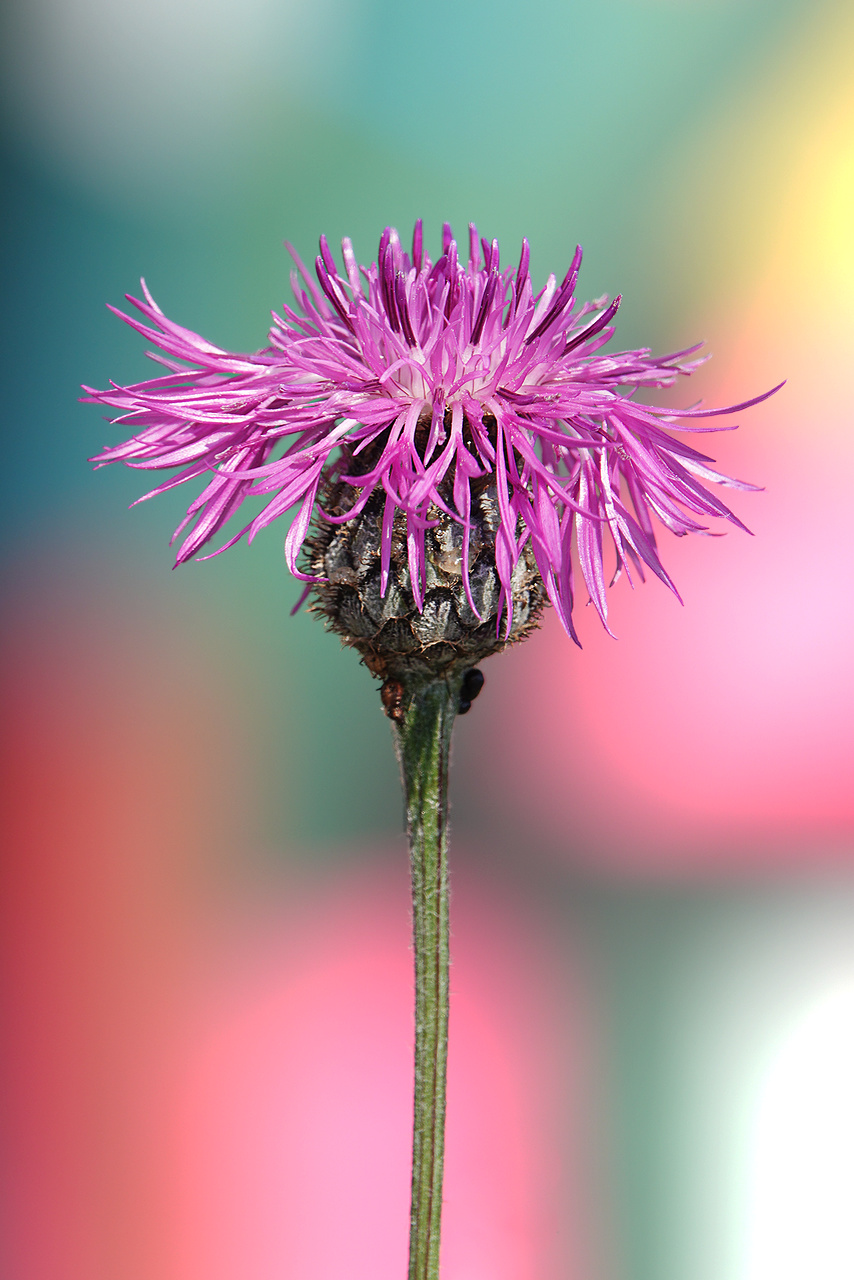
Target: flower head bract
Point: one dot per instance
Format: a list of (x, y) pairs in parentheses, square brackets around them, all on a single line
[(418, 379)]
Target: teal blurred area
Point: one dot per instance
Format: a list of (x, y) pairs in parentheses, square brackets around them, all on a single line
[(653, 837)]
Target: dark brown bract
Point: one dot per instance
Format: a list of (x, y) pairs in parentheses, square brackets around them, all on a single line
[(396, 640)]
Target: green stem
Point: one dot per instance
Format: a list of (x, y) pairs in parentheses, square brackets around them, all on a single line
[(423, 740)]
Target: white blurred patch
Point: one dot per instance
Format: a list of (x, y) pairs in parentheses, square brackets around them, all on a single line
[(118, 87), (800, 1174)]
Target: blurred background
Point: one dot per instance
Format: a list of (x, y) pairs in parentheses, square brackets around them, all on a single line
[(207, 975)]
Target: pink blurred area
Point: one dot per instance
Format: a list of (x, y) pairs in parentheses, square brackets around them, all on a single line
[(112, 794), (717, 737), (211, 1063), (293, 1115)]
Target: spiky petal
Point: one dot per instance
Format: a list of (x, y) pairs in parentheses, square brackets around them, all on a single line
[(419, 379)]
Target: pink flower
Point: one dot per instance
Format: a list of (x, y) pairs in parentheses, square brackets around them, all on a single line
[(439, 373)]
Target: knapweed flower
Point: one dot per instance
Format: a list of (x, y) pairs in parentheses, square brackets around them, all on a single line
[(448, 439)]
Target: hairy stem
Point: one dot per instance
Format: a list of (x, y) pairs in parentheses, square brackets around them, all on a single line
[(423, 740)]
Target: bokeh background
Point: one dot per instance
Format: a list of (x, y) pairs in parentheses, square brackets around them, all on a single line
[(207, 976)]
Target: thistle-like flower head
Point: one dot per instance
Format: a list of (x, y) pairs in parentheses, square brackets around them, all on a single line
[(416, 387)]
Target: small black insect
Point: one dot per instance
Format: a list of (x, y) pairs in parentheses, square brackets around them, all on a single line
[(391, 695), (472, 684)]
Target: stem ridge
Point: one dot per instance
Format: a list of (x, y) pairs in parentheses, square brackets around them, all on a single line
[(422, 741)]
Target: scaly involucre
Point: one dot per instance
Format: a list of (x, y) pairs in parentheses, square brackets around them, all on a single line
[(422, 379)]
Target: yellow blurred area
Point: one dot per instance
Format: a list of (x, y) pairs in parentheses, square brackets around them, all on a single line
[(782, 241)]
